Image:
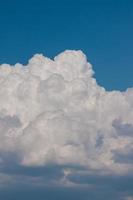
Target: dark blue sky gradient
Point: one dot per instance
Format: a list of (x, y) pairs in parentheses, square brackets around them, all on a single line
[(103, 29)]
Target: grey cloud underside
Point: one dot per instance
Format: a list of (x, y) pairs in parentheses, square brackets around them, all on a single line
[(56, 123), (62, 193), (124, 157), (125, 129)]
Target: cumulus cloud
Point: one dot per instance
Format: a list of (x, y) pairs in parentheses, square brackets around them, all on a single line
[(53, 113)]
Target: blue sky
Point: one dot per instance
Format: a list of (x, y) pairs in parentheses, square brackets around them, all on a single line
[(103, 29)]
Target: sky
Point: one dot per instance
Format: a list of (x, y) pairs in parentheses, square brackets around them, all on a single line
[(66, 100), (102, 29)]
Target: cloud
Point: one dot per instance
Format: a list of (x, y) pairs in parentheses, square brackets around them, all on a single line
[(124, 156), (123, 129), (54, 115), (120, 183)]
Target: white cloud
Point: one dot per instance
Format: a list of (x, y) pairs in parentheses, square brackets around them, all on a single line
[(54, 112)]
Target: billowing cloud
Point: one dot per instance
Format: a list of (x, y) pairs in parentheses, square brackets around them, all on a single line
[(53, 113)]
